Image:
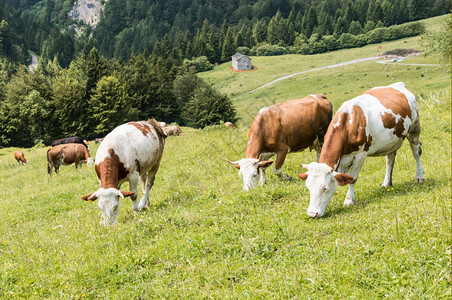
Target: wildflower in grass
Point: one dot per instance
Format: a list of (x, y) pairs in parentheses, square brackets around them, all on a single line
[(422, 200)]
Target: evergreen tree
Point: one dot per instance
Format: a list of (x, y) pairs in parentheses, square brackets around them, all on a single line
[(228, 46), (110, 105), (259, 32), (309, 21)]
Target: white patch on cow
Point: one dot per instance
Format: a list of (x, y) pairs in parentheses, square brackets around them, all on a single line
[(314, 96)]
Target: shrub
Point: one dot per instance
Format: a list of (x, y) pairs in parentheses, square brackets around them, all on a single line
[(269, 50), (200, 64), (244, 50)]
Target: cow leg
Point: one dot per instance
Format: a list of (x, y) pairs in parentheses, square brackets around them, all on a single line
[(147, 182), (280, 157), (357, 163), (416, 149), (390, 159), (133, 185), (49, 168), (263, 178)]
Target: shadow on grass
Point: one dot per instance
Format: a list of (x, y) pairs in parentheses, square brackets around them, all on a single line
[(375, 195)]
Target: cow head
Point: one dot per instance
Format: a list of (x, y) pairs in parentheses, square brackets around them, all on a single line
[(90, 162), (108, 202), (322, 181), (250, 169)]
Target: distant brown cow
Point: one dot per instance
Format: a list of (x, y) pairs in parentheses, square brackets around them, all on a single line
[(20, 158), (229, 125), (67, 154), (172, 130)]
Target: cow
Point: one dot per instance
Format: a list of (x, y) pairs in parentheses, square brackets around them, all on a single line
[(68, 140), (20, 158), (372, 124), (281, 128), (228, 125), (130, 152), (172, 130), (66, 154)]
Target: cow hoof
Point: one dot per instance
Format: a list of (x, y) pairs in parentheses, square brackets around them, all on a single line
[(348, 202), (286, 177), (420, 179)]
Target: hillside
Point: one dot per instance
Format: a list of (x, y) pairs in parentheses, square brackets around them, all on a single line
[(203, 237)]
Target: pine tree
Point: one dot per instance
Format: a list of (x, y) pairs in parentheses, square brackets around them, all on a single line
[(228, 46)]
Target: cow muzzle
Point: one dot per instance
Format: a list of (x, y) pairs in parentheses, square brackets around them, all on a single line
[(313, 214)]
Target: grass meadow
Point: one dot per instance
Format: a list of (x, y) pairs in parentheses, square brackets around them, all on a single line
[(203, 237)]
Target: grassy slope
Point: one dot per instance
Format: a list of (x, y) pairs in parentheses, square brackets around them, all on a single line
[(203, 237)]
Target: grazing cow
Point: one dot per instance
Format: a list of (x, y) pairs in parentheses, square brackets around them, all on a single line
[(172, 130), (68, 140), (66, 154), (373, 124), (281, 128), (228, 125), (130, 152), (20, 158)]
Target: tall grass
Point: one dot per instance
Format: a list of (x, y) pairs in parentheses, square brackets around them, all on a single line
[(203, 237)]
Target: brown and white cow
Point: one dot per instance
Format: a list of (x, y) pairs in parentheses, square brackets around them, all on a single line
[(172, 130), (131, 152), (281, 128), (66, 154), (20, 158), (373, 124)]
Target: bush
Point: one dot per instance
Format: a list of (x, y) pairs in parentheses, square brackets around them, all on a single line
[(244, 50), (200, 64), (269, 50), (376, 36)]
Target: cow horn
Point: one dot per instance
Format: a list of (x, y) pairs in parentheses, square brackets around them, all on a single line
[(259, 159), (234, 163)]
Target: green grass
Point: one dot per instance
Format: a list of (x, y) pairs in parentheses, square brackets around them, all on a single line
[(203, 237)]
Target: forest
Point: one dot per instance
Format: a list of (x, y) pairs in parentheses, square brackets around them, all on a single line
[(141, 58)]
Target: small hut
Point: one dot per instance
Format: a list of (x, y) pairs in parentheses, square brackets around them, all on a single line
[(241, 62)]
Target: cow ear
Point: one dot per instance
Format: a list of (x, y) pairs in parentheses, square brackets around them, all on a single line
[(90, 197), (234, 163), (127, 194), (303, 176), (264, 164), (343, 179)]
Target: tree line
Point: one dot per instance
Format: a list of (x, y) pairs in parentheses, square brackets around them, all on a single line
[(94, 95)]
